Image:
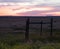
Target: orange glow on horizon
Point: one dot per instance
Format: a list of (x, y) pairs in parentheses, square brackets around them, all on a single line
[(14, 10)]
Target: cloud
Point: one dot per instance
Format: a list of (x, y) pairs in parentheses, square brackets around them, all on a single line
[(29, 10), (6, 11), (38, 13), (52, 13), (23, 10), (15, 0), (30, 7), (36, 2)]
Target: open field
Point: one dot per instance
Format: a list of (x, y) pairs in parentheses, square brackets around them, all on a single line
[(11, 38), (16, 40)]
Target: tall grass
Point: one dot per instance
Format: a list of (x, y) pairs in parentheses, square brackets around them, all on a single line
[(34, 45), (16, 41)]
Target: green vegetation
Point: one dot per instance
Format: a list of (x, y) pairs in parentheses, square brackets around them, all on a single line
[(13, 40)]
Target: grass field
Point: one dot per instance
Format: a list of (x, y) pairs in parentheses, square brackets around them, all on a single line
[(12, 40)]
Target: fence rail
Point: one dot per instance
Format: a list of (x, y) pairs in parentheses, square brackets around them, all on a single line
[(41, 22)]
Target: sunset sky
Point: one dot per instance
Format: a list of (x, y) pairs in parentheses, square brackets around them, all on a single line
[(29, 7)]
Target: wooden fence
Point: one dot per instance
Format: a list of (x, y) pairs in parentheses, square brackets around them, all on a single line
[(41, 22)]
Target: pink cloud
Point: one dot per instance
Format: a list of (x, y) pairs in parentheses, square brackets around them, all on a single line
[(53, 13), (28, 11)]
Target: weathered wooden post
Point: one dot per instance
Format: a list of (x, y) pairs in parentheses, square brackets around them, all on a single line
[(27, 27), (41, 28), (51, 32), (27, 30)]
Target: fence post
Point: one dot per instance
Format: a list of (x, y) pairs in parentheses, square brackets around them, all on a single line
[(27, 30), (41, 28), (51, 33)]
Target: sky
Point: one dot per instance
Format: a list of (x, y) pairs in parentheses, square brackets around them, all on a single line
[(29, 7)]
